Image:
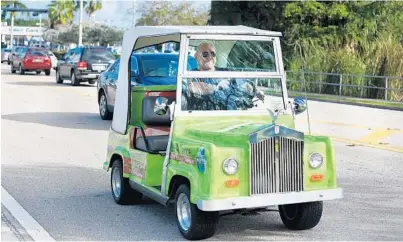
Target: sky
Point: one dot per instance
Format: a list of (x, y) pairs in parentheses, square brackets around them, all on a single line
[(113, 12)]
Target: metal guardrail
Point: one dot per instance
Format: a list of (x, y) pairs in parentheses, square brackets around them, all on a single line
[(371, 87)]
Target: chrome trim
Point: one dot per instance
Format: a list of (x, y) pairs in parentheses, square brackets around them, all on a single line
[(269, 200), (276, 170), (309, 160)]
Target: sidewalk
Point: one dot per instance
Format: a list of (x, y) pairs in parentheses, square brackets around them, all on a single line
[(11, 230)]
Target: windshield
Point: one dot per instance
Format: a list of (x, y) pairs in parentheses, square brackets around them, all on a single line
[(233, 55), (37, 52), (96, 54), (206, 94)]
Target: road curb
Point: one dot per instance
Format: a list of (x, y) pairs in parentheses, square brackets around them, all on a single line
[(11, 229), (24, 219)]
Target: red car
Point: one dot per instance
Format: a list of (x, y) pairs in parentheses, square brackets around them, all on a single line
[(31, 59)]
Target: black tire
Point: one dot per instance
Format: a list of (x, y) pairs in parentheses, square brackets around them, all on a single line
[(301, 216), (12, 69), (59, 79), (74, 80), (103, 107), (126, 195), (203, 225), (47, 72), (22, 71), (38, 72), (91, 81)]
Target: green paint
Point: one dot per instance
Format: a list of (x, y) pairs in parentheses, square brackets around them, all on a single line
[(222, 138)]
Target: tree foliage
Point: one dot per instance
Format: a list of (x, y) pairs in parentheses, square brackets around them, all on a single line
[(92, 34), (170, 13), (61, 12), (91, 6), (352, 37)]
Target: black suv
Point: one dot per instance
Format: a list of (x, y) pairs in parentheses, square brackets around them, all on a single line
[(83, 64)]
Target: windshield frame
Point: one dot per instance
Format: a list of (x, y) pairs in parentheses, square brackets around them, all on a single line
[(183, 73)]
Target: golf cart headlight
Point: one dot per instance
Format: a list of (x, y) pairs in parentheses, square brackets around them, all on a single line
[(315, 160), (230, 166)]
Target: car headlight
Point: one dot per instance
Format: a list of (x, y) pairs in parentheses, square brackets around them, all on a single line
[(315, 160), (230, 166)]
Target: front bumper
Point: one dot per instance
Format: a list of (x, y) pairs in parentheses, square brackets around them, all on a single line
[(267, 200)]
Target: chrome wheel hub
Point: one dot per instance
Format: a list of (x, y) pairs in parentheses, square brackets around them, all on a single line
[(183, 211), (116, 182)]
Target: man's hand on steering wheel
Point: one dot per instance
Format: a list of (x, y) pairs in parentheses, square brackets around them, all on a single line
[(251, 87)]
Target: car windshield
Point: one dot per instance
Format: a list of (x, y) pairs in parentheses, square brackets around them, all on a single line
[(233, 55), (37, 52), (206, 94), (96, 54), (163, 65)]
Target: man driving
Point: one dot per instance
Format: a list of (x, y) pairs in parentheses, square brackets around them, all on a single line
[(208, 88)]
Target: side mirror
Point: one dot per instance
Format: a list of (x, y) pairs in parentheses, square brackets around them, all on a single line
[(161, 106), (299, 105)]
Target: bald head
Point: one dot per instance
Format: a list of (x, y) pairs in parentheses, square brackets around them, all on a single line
[(206, 57)]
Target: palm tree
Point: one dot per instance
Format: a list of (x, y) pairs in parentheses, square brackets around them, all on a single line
[(91, 6), (61, 12)]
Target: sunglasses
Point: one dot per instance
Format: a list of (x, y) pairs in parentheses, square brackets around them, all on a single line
[(205, 54)]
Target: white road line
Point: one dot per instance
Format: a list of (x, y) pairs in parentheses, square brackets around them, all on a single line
[(33, 228)]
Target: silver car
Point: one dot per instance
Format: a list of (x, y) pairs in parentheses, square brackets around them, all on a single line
[(5, 55)]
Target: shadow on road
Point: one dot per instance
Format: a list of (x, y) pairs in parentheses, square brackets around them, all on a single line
[(91, 121), (33, 83), (50, 83), (18, 74)]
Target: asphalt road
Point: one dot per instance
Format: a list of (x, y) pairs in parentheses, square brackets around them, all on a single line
[(54, 144)]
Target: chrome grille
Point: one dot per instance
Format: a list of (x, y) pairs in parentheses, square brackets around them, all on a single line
[(274, 171)]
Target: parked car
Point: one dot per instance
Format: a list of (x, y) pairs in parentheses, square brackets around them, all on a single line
[(5, 55), (146, 69), (83, 64), (53, 59), (31, 59)]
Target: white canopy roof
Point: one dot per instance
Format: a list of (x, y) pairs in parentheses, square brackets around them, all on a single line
[(240, 29)]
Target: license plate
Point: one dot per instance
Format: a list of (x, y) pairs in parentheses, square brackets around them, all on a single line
[(38, 60), (98, 67)]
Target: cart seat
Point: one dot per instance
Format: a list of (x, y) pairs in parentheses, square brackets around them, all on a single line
[(155, 143)]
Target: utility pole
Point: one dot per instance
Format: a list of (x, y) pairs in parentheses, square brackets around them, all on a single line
[(80, 25), (12, 28)]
